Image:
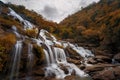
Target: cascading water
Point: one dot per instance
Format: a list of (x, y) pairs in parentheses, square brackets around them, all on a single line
[(60, 55), (61, 62), (27, 24), (15, 31), (50, 53), (47, 57), (55, 56), (16, 61), (30, 62)]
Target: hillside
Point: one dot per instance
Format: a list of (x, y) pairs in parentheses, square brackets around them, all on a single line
[(29, 49), (99, 24), (29, 52)]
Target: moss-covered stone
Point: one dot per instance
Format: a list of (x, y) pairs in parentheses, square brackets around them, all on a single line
[(39, 54)]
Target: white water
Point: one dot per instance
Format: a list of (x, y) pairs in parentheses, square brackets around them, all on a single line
[(30, 62), (61, 62), (55, 56), (16, 60), (81, 51), (60, 55), (30, 57), (47, 57), (15, 31), (27, 24)]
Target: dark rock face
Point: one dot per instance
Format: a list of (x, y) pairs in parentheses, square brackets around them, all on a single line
[(104, 72), (72, 53), (117, 57), (92, 61), (108, 74), (103, 59)]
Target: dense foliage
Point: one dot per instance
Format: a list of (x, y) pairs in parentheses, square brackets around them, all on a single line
[(99, 24)]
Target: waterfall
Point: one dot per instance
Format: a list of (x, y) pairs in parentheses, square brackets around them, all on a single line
[(16, 60), (56, 60), (15, 31), (61, 62), (50, 53), (60, 55), (30, 62), (47, 57), (56, 57), (27, 24)]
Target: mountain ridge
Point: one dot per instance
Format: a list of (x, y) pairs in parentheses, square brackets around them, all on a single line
[(98, 22)]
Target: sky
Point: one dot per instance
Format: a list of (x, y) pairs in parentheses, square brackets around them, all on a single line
[(55, 10)]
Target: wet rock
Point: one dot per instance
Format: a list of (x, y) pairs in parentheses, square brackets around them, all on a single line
[(110, 73), (73, 54), (117, 72), (77, 62), (39, 55), (1, 31), (77, 78), (73, 72), (82, 67), (92, 61), (103, 53), (103, 59), (70, 78), (38, 71), (91, 69), (104, 72), (38, 78), (64, 69), (50, 78), (117, 57), (104, 75)]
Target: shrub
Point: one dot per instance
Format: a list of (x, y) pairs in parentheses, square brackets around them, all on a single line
[(31, 33), (7, 41), (6, 44), (91, 35)]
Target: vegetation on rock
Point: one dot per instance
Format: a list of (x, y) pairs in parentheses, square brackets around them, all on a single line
[(39, 54)]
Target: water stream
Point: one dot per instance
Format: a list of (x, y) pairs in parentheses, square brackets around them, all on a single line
[(16, 60), (30, 62), (56, 62)]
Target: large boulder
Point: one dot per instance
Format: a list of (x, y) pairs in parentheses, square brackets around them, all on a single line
[(110, 73), (104, 75), (103, 53), (77, 62), (104, 72), (92, 61), (103, 59), (72, 53)]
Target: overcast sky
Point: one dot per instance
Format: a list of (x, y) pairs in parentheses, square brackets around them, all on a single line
[(55, 10)]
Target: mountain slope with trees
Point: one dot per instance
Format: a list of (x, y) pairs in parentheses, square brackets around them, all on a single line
[(99, 24), (95, 28)]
